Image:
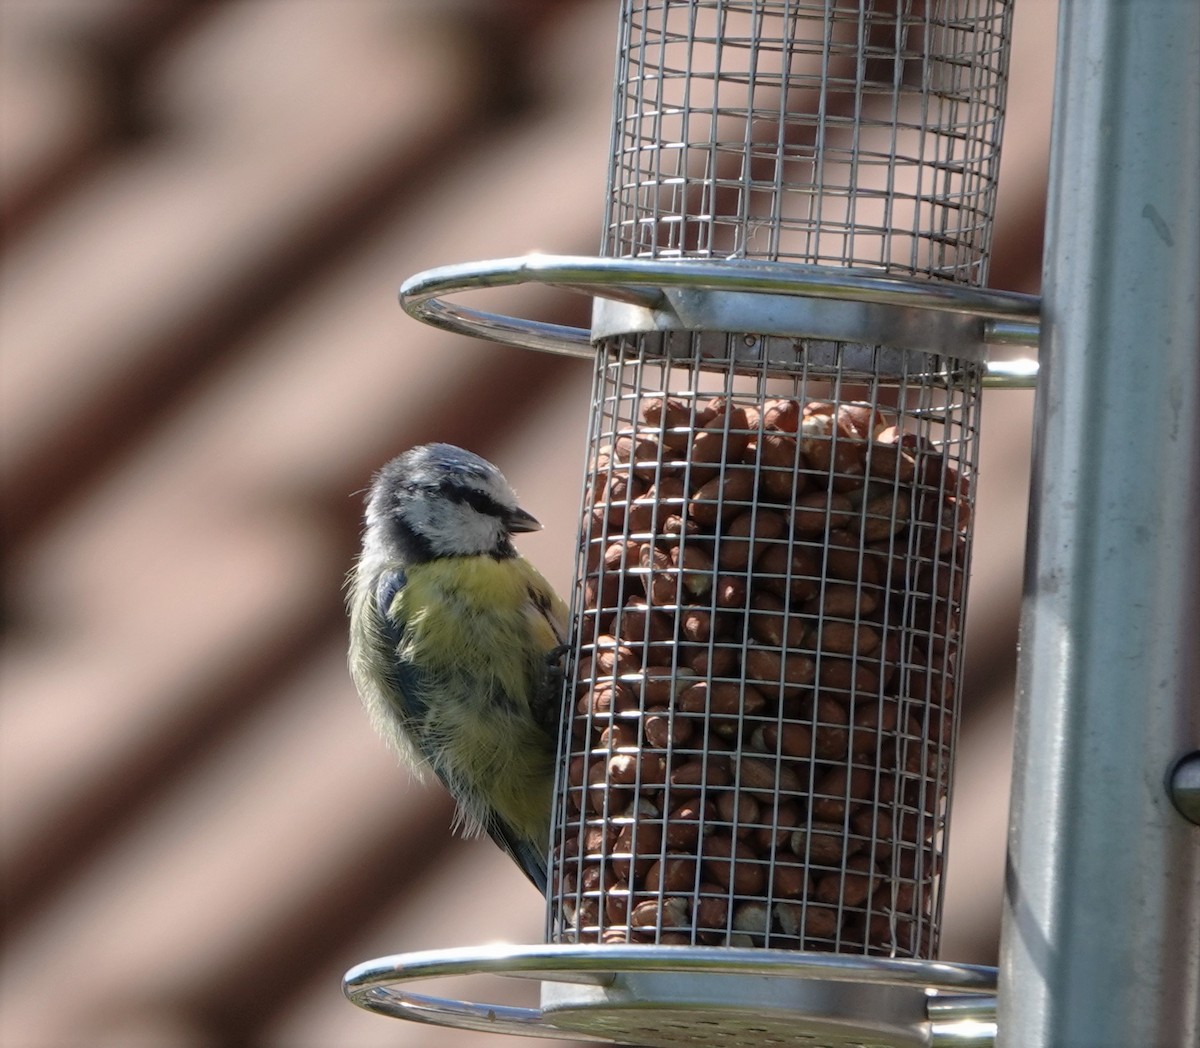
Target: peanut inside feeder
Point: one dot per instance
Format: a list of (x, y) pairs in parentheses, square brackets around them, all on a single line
[(766, 670)]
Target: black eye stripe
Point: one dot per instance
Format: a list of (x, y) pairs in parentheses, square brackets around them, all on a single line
[(474, 498)]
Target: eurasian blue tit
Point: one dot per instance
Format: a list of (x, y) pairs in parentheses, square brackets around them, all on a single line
[(454, 643)]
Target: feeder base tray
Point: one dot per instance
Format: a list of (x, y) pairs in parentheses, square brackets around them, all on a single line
[(668, 996)]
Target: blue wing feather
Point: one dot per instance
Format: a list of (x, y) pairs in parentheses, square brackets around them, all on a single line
[(410, 687)]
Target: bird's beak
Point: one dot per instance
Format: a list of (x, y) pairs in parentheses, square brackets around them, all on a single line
[(518, 520)]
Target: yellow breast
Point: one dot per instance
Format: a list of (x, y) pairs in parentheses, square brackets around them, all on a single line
[(477, 612), (484, 627)]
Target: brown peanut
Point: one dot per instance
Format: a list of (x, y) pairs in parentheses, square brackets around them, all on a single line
[(770, 665), (659, 501), (621, 735), (644, 768), (712, 910), (635, 849), (859, 676), (818, 843), (819, 512), (869, 719), (789, 881), (884, 514), (613, 658), (851, 887), (841, 600), (697, 625), (782, 415), (617, 490), (887, 459), (845, 638), (640, 624), (698, 773), (670, 417), (845, 559), (676, 527), (759, 776), (661, 730), (695, 565), (831, 734), (772, 624), (675, 873), (862, 421), (717, 661), (875, 824), (792, 739), (721, 699), (731, 591), (793, 574), (722, 496), (740, 809), (781, 477), (724, 437), (617, 899), (640, 452), (683, 824), (776, 830), (746, 536), (745, 874), (670, 912), (658, 685), (607, 698), (831, 447), (806, 921), (837, 789)]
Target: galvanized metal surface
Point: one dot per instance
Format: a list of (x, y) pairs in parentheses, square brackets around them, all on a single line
[(1101, 943)]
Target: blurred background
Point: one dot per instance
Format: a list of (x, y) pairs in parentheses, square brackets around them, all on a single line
[(208, 206)]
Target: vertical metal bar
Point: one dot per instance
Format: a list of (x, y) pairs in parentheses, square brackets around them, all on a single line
[(1101, 938)]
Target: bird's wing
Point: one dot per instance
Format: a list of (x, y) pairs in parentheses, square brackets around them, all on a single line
[(411, 686), (524, 853), (547, 614)]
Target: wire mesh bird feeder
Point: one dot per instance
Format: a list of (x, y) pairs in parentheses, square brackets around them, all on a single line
[(790, 337), (777, 522)]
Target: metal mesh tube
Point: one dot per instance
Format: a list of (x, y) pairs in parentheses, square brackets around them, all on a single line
[(768, 651), (846, 133), (775, 545)]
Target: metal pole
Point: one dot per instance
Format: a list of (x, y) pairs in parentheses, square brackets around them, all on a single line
[(1101, 939)]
